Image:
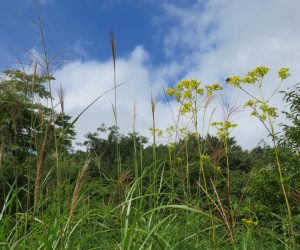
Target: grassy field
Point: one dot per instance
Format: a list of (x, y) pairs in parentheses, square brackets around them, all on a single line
[(198, 191)]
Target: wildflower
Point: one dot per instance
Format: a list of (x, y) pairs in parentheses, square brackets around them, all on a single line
[(234, 80), (170, 130), (170, 91), (261, 71), (186, 107), (187, 94), (213, 87), (223, 128), (194, 83), (205, 158), (171, 145), (252, 76), (178, 159), (182, 130), (250, 103), (174, 93), (271, 111), (200, 91), (216, 123), (228, 124), (254, 113), (250, 222), (249, 79), (283, 73), (151, 131), (159, 132), (192, 134)]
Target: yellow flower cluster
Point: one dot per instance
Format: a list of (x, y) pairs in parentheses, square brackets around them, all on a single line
[(223, 128), (170, 130), (271, 111), (283, 73), (205, 158), (186, 92), (250, 222), (255, 76), (265, 109), (234, 80), (171, 145), (158, 132), (250, 103), (186, 107)]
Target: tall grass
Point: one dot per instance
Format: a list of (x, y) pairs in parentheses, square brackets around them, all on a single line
[(159, 205)]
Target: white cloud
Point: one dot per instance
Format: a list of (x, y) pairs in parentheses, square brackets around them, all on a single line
[(84, 81), (79, 47), (222, 38), (232, 37)]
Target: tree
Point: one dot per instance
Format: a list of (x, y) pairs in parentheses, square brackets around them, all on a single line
[(103, 150), (292, 132), (24, 120)]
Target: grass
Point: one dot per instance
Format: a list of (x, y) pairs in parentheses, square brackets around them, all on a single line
[(93, 223), (171, 203)]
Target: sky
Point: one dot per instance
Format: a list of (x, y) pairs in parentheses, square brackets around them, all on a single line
[(159, 43)]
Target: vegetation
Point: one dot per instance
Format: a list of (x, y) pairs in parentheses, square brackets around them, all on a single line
[(198, 191)]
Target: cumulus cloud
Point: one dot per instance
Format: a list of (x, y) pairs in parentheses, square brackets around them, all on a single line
[(86, 80), (217, 38), (231, 37)]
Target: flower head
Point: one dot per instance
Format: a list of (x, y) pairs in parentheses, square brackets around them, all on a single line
[(261, 71), (250, 222), (283, 73), (234, 80)]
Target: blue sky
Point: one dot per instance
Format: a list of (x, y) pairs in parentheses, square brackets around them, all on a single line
[(159, 42), (80, 29)]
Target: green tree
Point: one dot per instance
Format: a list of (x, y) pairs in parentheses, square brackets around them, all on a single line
[(292, 132), (24, 118)]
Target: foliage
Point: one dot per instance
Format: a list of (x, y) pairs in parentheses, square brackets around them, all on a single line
[(24, 118), (292, 132), (153, 203)]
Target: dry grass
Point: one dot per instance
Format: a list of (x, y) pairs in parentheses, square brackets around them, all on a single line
[(77, 188), (41, 165)]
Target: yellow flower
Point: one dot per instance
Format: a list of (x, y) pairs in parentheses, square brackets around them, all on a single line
[(204, 158), (170, 91), (249, 79), (200, 91), (170, 130), (159, 132), (223, 128), (216, 123), (261, 71), (171, 145), (213, 87), (234, 80), (283, 73), (187, 94), (271, 111), (181, 130), (194, 83), (250, 222), (250, 103), (186, 107)]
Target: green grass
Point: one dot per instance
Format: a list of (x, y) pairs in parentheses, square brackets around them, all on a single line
[(176, 196)]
